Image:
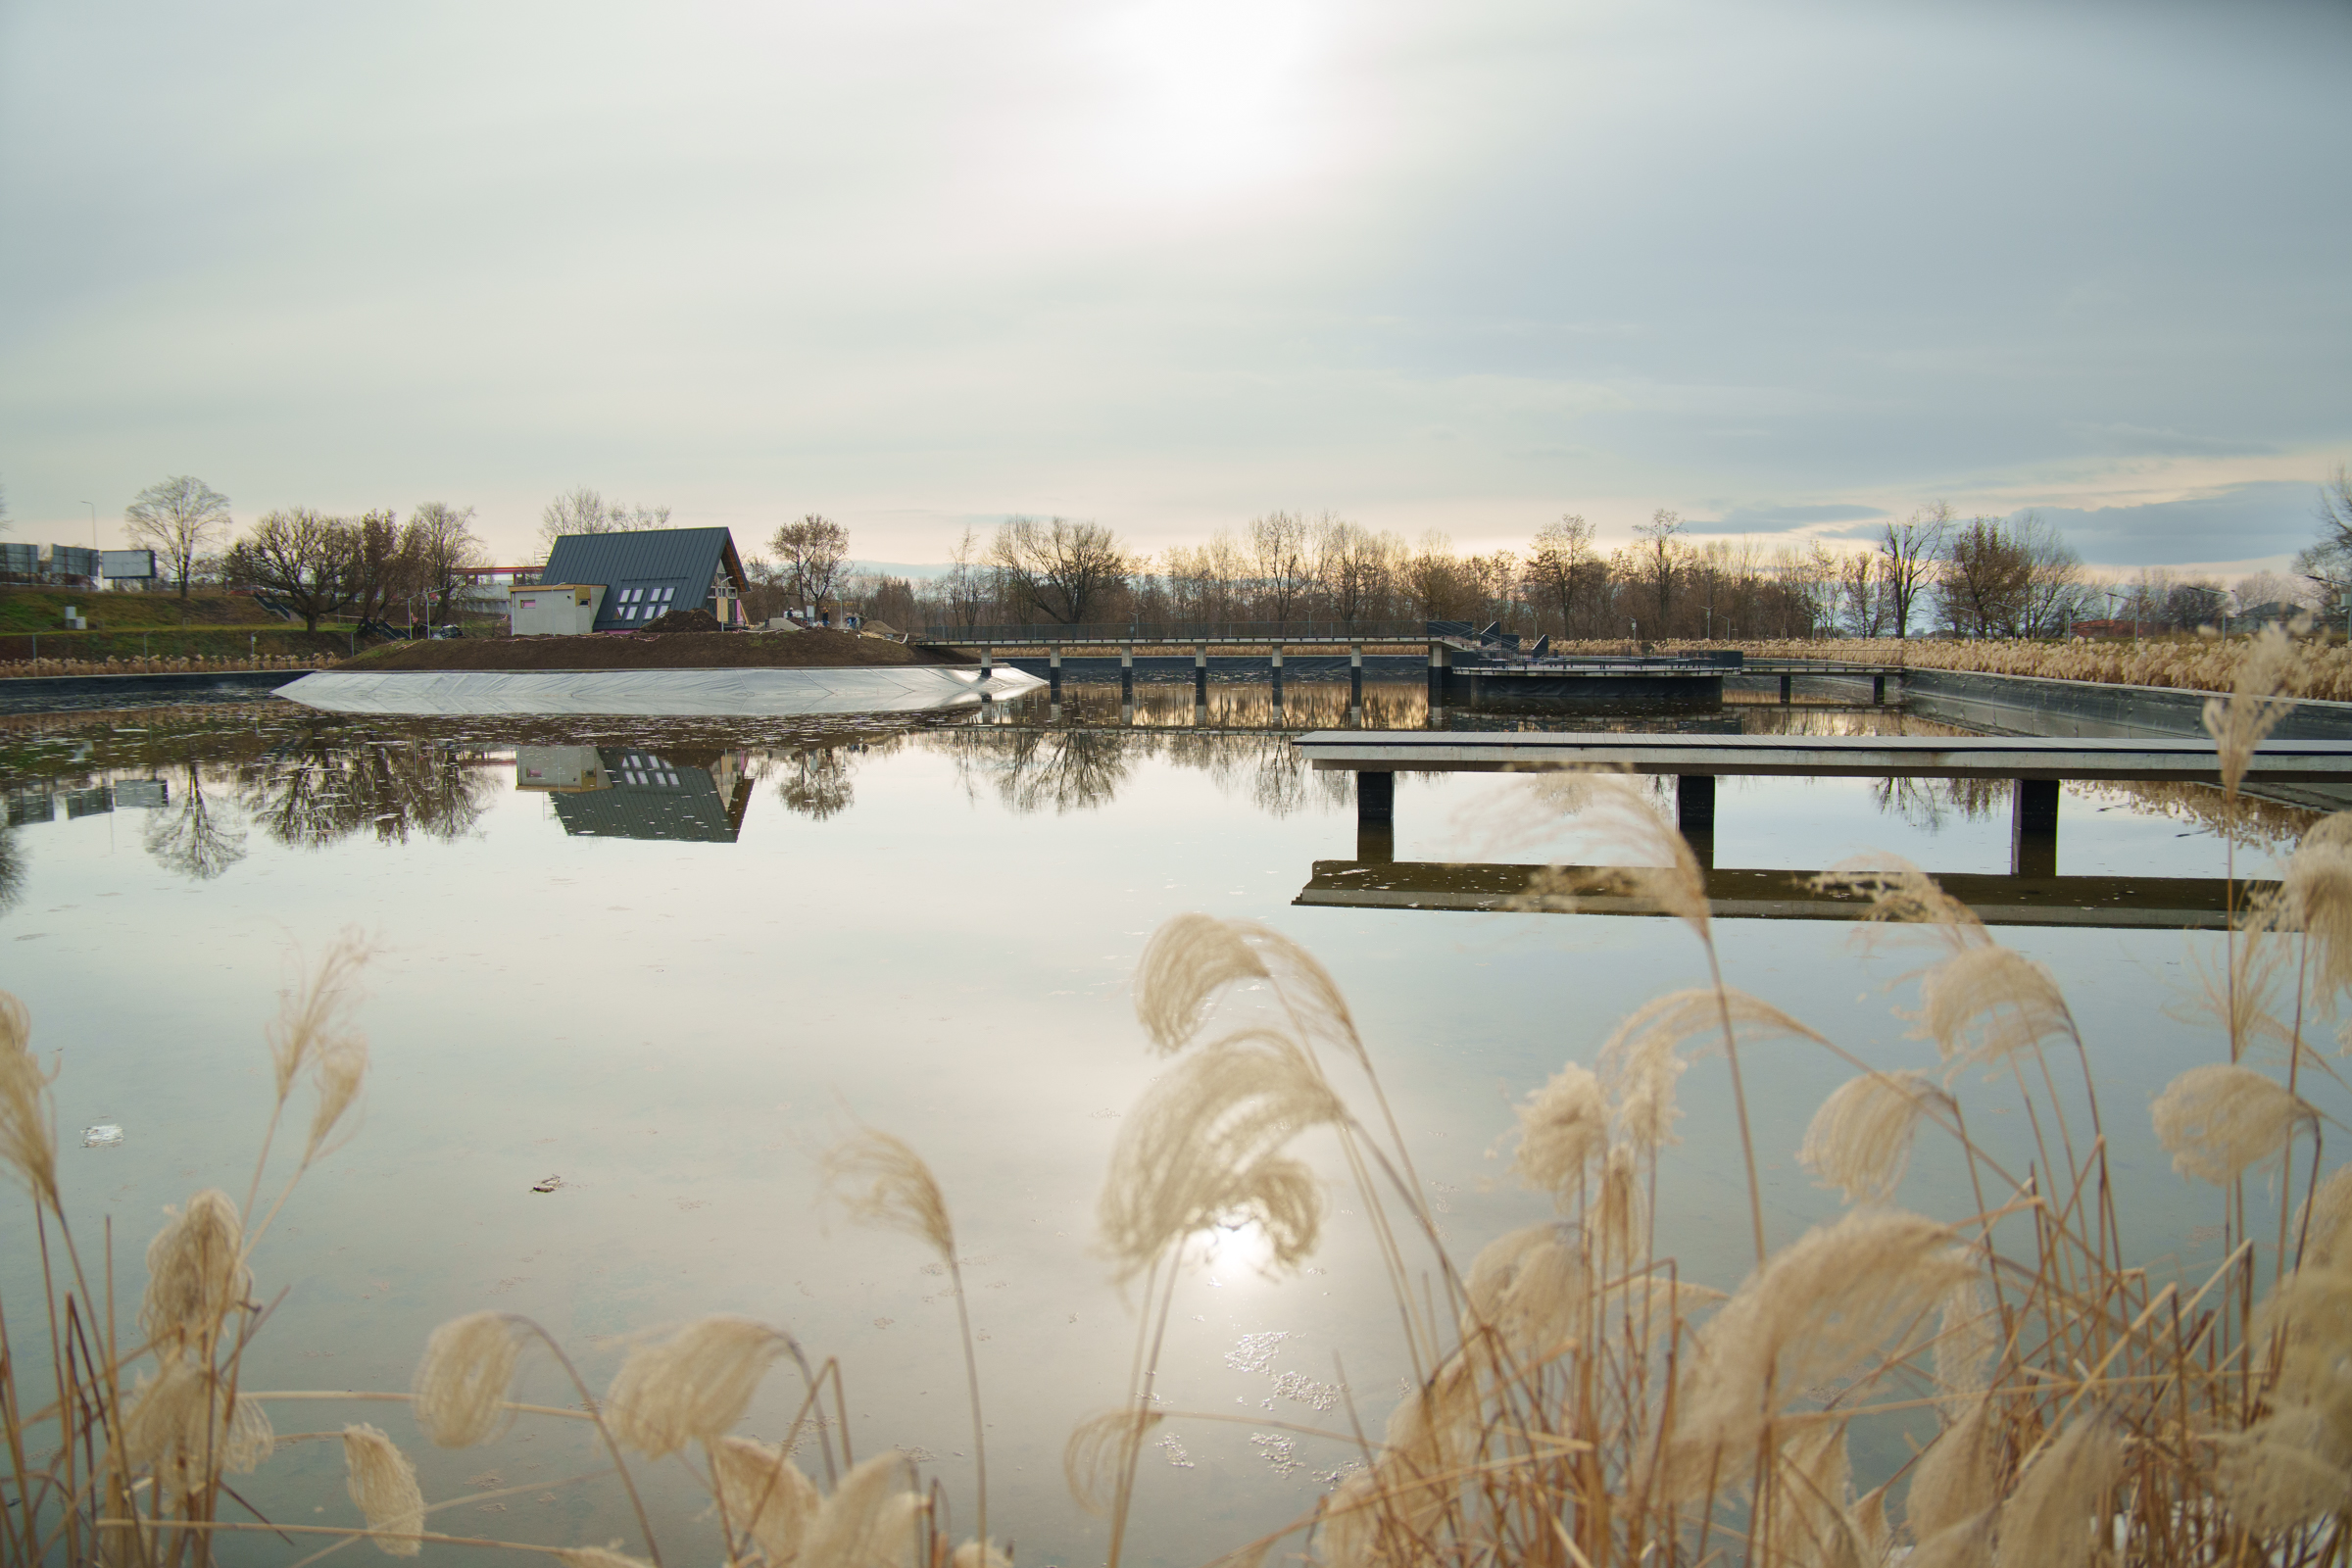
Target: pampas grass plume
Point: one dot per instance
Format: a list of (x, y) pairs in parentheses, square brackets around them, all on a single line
[(383, 1482), (765, 1494), (693, 1385), (881, 1181), (1529, 1289), (460, 1391), (1187, 961), (308, 1019), (599, 1557), (1615, 811), (2240, 722), (339, 1069), (1985, 1004), (2218, 1119), (978, 1554), (1562, 1127), (2289, 1469), (2064, 1501), (1860, 1139), (1204, 1147), (28, 1141), (1097, 1452), (195, 1273), (865, 1518), (2326, 1222)]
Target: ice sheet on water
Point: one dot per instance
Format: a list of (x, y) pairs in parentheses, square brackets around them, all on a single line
[(1254, 1353), (104, 1135)]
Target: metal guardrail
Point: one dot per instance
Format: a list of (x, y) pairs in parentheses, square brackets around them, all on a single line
[(1048, 633)]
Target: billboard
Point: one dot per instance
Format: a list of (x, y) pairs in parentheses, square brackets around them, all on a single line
[(126, 563)]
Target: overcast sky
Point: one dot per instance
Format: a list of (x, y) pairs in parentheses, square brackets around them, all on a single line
[(1463, 265)]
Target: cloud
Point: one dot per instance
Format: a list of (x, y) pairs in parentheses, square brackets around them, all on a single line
[(2242, 523), (1779, 519)]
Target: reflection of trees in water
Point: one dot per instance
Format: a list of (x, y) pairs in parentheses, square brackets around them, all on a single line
[(2255, 823), (195, 835), (1034, 769), (816, 783), (317, 793), (11, 869), (1925, 803), (1069, 769)]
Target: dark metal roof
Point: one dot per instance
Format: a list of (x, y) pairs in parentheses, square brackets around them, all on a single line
[(684, 560)]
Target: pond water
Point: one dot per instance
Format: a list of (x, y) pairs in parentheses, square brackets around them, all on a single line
[(662, 996)]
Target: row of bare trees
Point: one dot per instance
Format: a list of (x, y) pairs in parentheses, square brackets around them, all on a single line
[(318, 564)]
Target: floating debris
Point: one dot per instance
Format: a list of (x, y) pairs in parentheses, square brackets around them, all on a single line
[(547, 1184), (106, 1135), (1254, 1353)]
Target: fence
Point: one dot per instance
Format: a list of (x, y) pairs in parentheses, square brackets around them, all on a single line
[(1185, 631)]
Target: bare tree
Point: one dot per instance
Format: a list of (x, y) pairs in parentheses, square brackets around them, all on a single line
[(179, 518), (191, 837), (306, 558), (1281, 562), (1355, 566), (438, 547), (1659, 553), (2056, 588), (810, 553), (2266, 588), (1985, 580), (1864, 603), (1061, 568), (584, 510), (2327, 560), (1911, 550), (968, 588), (1563, 566)]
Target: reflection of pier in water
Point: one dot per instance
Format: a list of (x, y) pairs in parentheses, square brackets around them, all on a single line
[(2104, 901), (627, 792)]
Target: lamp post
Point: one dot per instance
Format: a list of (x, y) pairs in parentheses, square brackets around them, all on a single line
[(95, 575)]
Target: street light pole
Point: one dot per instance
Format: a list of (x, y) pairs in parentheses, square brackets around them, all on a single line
[(96, 575)]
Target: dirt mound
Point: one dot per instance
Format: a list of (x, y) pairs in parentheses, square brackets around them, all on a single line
[(638, 650), (677, 620)]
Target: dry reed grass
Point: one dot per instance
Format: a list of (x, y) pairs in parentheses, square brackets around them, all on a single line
[(2322, 670)]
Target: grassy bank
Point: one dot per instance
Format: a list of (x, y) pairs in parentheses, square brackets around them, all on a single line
[(43, 610), (269, 646)]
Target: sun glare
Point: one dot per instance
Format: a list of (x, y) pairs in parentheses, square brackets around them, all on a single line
[(1213, 99)]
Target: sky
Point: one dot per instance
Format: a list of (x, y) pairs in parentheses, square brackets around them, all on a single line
[(1785, 270)]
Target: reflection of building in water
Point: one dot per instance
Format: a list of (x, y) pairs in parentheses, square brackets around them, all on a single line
[(620, 792)]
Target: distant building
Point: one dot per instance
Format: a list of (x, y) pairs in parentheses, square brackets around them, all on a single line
[(620, 792), (648, 573), (553, 608)]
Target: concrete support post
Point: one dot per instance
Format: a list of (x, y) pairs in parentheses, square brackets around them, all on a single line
[(1278, 674), (1878, 689), (1375, 817), (2033, 827), (1695, 815), (1355, 675), (988, 661), (1127, 673), (1054, 674), (1440, 658), (1787, 688), (1201, 675)]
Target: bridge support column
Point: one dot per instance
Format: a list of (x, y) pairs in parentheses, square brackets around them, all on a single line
[(1054, 674), (1787, 687), (1375, 817), (1127, 674), (1278, 674), (1694, 813), (988, 660), (1200, 674), (2033, 827), (1441, 659), (1877, 690), (1355, 675)]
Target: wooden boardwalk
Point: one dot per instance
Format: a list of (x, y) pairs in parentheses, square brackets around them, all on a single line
[(1819, 756)]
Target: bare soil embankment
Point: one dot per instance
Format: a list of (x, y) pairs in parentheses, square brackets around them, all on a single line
[(728, 650)]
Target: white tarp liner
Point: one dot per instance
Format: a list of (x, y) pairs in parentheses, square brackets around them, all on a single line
[(657, 693)]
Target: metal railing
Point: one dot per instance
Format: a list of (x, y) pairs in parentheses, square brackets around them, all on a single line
[(1182, 631)]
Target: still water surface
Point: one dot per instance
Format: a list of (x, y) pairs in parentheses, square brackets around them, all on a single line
[(667, 994)]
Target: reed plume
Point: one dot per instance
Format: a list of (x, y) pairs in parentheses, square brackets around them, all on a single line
[(1099, 1452), (2290, 1469), (27, 1140), (1901, 894), (338, 1067), (311, 1015), (2318, 889), (1860, 1139), (1406, 1492), (460, 1391), (1811, 1314), (1965, 1545), (2241, 721), (868, 1520), (765, 1494), (383, 1482), (598, 1557), (2063, 1504), (1528, 1289), (1205, 1147), (1193, 956), (1562, 1127), (1984, 1004), (1811, 1482), (1641, 1065), (1613, 811), (195, 1273), (881, 1181), (2326, 1222), (1956, 1479), (2216, 1120), (693, 1385), (978, 1554)]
